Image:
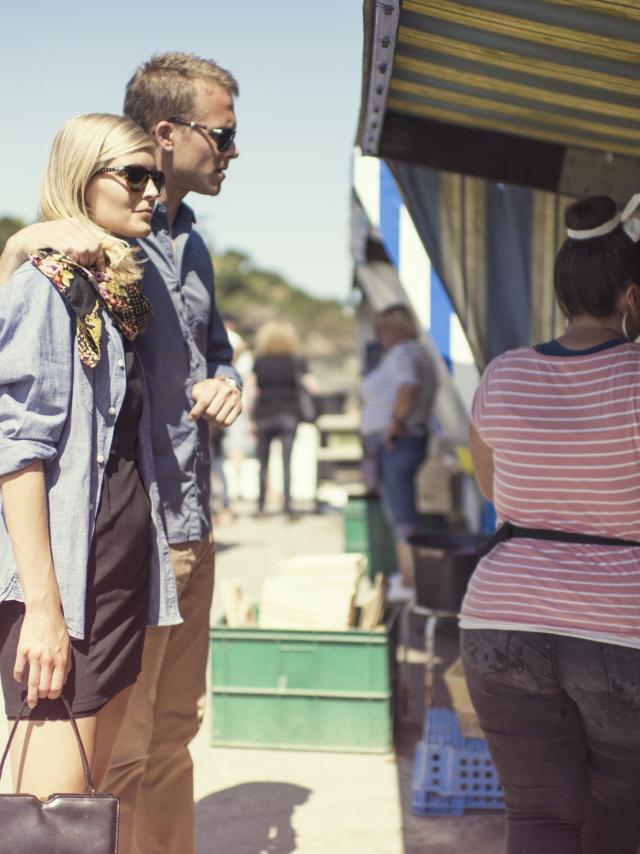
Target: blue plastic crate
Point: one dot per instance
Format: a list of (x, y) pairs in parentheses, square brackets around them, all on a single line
[(452, 773)]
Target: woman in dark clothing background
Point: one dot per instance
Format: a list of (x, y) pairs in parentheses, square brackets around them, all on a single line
[(279, 370)]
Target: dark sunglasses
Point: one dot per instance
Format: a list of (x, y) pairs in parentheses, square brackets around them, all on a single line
[(137, 177), (223, 137)]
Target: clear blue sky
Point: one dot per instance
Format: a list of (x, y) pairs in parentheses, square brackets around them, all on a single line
[(286, 199)]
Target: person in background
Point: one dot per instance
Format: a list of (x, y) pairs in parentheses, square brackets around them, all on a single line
[(551, 619), (279, 370), (185, 104), (84, 561), (239, 443), (397, 401), (220, 498)]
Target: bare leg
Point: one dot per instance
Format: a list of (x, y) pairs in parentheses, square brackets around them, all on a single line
[(45, 757)]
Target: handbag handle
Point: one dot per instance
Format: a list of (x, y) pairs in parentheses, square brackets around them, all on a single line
[(83, 754)]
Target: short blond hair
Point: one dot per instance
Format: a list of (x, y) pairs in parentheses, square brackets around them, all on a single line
[(81, 147), (165, 86), (277, 338), (399, 318)]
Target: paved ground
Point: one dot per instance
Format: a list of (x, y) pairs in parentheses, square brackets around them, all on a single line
[(276, 802)]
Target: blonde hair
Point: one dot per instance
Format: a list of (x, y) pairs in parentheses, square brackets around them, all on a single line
[(399, 318), (277, 337), (165, 87), (81, 147)]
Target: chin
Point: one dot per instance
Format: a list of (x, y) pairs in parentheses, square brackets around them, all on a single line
[(134, 232)]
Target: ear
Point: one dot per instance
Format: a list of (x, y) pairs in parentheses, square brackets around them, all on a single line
[(163, 135), (632, 296)]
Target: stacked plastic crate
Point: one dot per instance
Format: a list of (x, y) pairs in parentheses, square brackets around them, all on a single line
[(452, 773)]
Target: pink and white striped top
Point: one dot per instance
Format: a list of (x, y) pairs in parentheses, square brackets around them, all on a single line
[(565, 435)]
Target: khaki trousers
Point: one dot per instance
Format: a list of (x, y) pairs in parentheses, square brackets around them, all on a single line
[(151, 768)]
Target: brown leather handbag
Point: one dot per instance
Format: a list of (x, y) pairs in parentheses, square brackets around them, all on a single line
[(64, 824)]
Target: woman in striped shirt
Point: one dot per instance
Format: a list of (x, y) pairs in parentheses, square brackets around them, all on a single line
[(551, 627)]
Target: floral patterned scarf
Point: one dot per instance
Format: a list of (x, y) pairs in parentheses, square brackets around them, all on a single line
[(88, 293)]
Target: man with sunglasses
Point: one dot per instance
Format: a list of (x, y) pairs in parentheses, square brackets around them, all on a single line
[(186, 105)]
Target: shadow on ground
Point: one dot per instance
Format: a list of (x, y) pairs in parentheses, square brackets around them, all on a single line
[(253, 818)]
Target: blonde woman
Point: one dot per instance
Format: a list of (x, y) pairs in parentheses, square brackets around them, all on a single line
[(83, 557), (279, 369)]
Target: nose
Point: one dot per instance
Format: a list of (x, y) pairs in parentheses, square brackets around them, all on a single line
[(151, 191), (232, 152)]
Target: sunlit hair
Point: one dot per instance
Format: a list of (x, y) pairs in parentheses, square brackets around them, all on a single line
[(400, 319), (82, 146), (165, 86), (277, 337)]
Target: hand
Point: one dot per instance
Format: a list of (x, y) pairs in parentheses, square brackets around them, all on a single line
[(44, 645), (216, 400), (72, 237), (396, 428)]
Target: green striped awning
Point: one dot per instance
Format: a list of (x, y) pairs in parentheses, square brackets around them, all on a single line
[(541, 93)]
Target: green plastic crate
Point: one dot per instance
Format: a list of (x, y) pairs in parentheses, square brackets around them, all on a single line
[(366, 530), (303, 689)]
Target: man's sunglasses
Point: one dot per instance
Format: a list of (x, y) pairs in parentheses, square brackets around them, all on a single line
[(223, 137), (137, 177)]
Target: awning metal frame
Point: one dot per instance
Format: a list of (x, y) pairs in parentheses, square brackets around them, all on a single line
[(380, 35)]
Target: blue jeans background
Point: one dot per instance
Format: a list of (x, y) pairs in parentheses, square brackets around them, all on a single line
[(562, 720), (397, 470)]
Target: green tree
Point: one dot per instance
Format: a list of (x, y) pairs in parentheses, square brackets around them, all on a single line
[(253, 296), (8, 226)]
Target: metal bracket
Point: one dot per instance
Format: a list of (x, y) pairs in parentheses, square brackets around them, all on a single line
[(385, 31)]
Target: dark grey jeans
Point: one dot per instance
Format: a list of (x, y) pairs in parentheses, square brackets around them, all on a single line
[(562, 721)]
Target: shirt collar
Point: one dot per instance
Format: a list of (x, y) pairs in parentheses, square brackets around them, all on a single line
[(184, 217)]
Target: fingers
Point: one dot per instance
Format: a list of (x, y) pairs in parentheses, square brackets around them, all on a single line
[(19, 666), (58, 678), (217, 401), (226, 415), (46, 672), (46, 678), (33, 684), (198, 410), (73, 238)]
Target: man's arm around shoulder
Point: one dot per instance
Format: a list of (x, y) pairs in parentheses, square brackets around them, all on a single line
[(69, 236)]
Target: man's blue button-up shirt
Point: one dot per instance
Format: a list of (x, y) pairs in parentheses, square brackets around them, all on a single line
[(184, 342)]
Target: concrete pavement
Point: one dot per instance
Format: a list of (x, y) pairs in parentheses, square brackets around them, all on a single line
[(277, 802)]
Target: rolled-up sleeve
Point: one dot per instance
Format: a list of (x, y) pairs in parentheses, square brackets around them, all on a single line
[(36, 370)]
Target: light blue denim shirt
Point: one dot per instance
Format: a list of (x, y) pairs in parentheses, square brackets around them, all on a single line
[(184, 342), (54, 409)]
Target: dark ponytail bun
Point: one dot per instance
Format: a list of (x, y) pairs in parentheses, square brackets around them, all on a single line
[(590, 213), (590, 274)]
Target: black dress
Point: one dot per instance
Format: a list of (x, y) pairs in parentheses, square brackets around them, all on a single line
[(108, 659)]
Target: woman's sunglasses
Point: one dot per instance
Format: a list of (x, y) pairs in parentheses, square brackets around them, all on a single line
[(137, 177), (223, 137)]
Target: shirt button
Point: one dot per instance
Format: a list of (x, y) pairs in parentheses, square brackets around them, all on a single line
[(111, 410), (121, 363), (100, 459)]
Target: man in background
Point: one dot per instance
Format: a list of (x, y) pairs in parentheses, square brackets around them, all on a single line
[(186, 105)]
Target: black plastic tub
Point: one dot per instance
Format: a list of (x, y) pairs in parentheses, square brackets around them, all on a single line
[(444, 563), (331, 403)]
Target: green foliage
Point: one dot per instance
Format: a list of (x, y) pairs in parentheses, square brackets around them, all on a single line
[(8, 226), (253, 296)]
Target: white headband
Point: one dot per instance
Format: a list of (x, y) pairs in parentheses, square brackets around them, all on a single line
[(630, 224)]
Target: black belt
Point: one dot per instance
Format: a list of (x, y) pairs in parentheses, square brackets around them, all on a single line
[(507, 531)]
